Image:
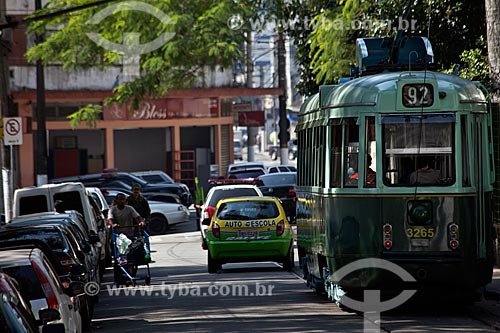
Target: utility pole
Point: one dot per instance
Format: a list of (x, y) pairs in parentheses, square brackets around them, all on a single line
[(41, 130), (249, 84), (4, 95), (283, 134)]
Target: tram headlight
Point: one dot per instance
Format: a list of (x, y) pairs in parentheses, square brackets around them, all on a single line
[(420, 212)]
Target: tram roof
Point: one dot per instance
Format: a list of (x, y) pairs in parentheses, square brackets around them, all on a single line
[(369, 91)]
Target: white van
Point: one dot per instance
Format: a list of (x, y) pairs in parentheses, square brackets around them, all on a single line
[(67, 196)]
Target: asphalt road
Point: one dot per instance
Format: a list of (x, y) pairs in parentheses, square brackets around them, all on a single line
[(247, 297)]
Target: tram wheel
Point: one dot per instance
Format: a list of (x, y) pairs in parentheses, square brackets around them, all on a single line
[(289, 260)]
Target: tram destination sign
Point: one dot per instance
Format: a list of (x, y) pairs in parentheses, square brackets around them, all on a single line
[(417, 95)]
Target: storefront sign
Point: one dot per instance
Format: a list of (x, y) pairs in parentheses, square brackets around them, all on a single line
[(251, 118), (166, 108)]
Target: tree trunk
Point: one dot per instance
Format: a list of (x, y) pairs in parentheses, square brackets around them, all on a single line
[(493, 32)]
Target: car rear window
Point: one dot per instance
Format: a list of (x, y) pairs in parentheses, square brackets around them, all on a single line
[(231, 193), (241, 174), (278, 179), (27, 278), (50, 237), (247, 210), (33, 204)]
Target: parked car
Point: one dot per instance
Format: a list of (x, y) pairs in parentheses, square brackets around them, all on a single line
[(238, 154), (163, 214), (249, 229), (218, 193), (63, 197), (154, 177), (65, 237), (40, 285), (15, 313), (281, 168), (119, 179), (274, 151), (281, 185), (103, 206)]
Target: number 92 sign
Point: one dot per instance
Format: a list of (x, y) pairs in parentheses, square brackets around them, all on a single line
[(418, 95)]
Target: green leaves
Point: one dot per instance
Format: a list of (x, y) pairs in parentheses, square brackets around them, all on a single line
[(202, 38), (89, 114)]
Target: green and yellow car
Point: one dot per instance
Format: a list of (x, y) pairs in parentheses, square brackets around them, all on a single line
[(249, 229)]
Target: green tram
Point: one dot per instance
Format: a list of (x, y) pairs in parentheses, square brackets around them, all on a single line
[(396, 165)]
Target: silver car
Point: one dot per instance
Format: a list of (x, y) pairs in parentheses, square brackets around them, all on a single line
[(238, 155)]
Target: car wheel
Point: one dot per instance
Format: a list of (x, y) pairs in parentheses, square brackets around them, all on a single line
[(158, 225), (291, 155), (274, 155), (289, 260), (213, 265)]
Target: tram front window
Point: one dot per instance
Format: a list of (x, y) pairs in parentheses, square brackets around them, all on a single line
[(419, 149)]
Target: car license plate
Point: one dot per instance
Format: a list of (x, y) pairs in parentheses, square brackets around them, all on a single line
[(248, 233)]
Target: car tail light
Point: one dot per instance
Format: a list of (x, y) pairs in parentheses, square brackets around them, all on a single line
[(453, 236), (291, 191), (280, 228), (216, 230), (387, 239), (208, 212), (46, 286)]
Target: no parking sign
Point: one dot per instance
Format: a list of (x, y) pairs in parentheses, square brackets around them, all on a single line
[(13, 131)]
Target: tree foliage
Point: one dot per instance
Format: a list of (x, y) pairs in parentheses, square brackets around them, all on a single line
[(452, 27), (202, 39), (324, 33)]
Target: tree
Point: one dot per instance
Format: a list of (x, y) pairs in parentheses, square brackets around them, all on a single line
[(452, 26), (493, 31), (201, 39)]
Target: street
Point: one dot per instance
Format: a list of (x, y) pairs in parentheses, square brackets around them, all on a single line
[(246, 297)]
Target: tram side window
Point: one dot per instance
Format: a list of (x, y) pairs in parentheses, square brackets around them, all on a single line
[(465, 151), (336, 154), (351, 150), (418, 149), (370, 158)]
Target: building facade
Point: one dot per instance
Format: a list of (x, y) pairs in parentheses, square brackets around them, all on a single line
[(185, 133)]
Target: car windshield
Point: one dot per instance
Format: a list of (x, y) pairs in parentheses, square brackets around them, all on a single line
[(247, 210), (231, 193), (278, 179)]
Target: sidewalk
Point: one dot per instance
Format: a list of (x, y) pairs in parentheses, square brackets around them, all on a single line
[(488, 310)]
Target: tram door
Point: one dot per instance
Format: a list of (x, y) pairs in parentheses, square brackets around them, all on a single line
[(479, 144)]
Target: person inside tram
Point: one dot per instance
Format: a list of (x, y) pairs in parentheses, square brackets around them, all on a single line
[(370, 175), (425, 174), (353, 176)]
